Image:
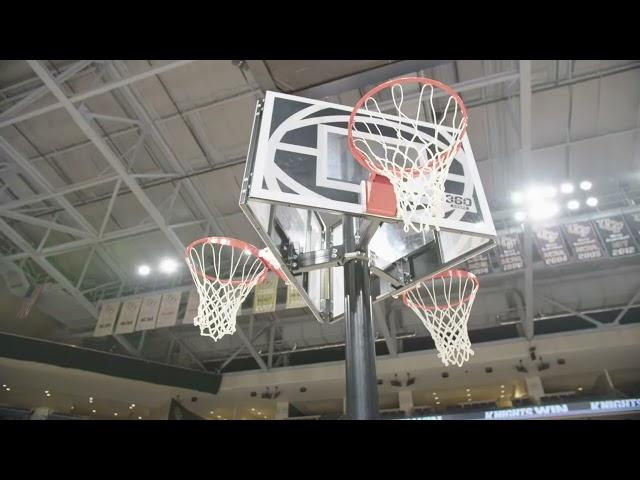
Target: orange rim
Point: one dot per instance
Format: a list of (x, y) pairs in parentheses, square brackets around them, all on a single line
[(461, 274), (235, 243), (360, 157)]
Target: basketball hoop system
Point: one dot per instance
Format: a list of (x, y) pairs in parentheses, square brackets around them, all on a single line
[(224, 271), (426, 138), (443, 304)]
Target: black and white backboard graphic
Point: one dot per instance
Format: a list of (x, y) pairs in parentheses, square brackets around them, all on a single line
[(301, 178), (302, 159), (584, 240), (616, 236)]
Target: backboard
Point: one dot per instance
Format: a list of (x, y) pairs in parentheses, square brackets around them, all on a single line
[(301, 178)]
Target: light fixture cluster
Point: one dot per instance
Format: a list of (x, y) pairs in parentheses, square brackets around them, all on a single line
[(166, 266), (501, 391), (6, 387), (541, 201)]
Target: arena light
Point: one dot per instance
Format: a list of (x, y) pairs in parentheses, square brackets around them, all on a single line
[(566, 187), (586, 185), (144, 270), (520, 216), (517, 198), (543, 210), (573, 204), (548, 191), (168, 265), (592, 201)]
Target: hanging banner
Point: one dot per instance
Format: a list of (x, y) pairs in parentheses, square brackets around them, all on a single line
[(616, 236), (633, 220), (148, 313), (168, 313), (551, 246), (106, 319), (509, 252), (192, 307), (294, 299), (128, 316), (480, 264), (265, 295), (583, 238)]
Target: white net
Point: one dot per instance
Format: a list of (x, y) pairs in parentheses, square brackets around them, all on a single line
[(443, 304), (224, 271), (411, 139)]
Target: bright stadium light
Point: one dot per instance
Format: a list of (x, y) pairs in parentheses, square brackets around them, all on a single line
[(543, 210), (144, 270), (517, 198), (520, 216), (573, 204), (585, 185), (168, 265), (566, 187), (549, 191), (592, 201)]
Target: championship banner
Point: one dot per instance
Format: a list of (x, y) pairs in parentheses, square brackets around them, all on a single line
[(633, 220), (480, 264), (509, 252), (294, 299), (168, 314), (192, 307), (551, 246), (582, 237), (106, 319), (616, 236), (148, 313), (128, 316), (265, 295)]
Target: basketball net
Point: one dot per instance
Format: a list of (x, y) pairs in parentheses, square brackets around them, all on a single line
[(411, 142), (443, 304), (224, 271)]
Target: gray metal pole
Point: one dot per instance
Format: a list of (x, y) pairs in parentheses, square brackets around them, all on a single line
[(360, 354)]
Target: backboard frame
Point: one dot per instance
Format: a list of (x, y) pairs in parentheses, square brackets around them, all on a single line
[(255, 201)]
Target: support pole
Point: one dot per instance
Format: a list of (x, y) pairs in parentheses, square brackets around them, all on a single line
[(360, 354)]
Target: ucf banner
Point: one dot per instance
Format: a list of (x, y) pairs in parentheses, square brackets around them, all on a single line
[(584, 241), (550, 243), (510, 252), (480, 264), (616, 236)]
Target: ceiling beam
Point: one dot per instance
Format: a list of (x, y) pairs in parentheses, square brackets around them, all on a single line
[(108, 154), (525, 156), (262, 75), (53, 272), (43, 90), (95, 92), (251, 348), (158, 132), (44, 223), (367, 77), (569, 309)]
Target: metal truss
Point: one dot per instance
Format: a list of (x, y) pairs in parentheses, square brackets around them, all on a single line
[(120, 172)]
